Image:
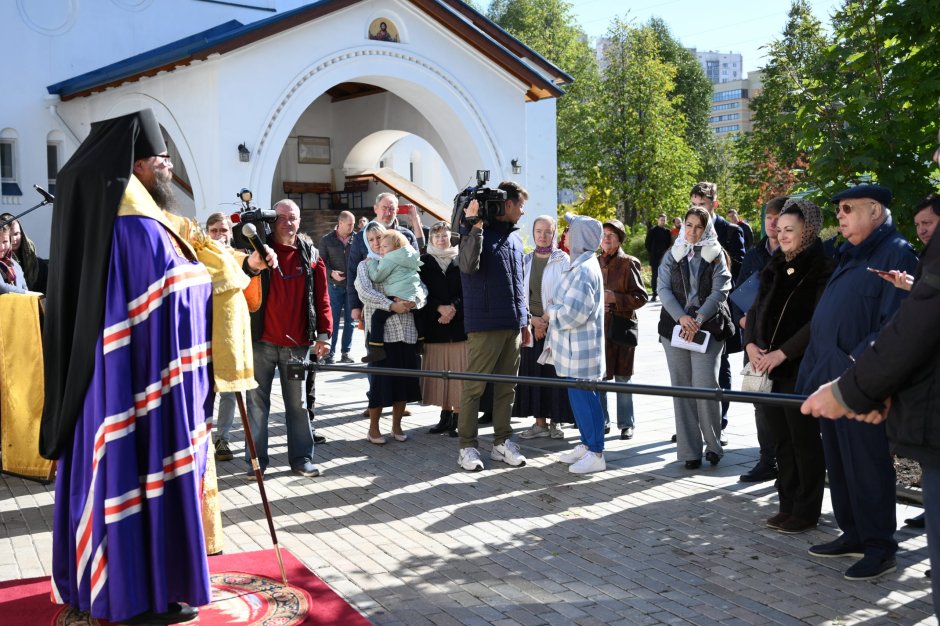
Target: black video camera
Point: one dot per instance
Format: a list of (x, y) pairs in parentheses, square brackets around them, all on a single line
[(248, 214), (492, 202)]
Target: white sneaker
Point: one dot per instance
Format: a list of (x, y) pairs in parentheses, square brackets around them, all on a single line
[(535, 431), (573, 455), (588, 463), (508, 452), (469, 459), (555, 432)]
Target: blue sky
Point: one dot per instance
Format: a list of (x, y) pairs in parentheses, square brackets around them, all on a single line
[(723, 25)]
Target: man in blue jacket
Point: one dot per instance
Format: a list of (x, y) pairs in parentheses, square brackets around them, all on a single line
[(853, 308), (896, 380), (496, 319)]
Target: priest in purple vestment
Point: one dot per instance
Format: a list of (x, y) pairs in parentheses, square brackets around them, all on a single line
[(127, 358)]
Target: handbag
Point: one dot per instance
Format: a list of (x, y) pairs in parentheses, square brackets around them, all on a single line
[(624, 331), (752, 380)]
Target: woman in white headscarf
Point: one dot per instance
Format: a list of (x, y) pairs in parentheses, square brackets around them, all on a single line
[(694, 281), (445, 342)]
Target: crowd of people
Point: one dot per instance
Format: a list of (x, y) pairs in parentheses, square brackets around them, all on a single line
[(822, 320)]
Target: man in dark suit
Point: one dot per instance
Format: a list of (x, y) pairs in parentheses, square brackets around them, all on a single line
[(745, 229), (658, 241), (705, 195)]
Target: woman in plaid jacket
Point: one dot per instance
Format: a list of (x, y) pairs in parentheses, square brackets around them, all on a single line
[(575, 342)]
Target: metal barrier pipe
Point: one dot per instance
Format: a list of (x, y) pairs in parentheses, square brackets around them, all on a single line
[(693, 393)]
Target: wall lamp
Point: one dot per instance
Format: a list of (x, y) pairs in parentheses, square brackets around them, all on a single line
[(516, 168), (244, 154)]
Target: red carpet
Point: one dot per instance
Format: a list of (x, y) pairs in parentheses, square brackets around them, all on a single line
[(246, 589)]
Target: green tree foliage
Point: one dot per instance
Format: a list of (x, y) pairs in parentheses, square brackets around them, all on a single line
[(549, 28), (772, 159), (871, 112), (641, 148), (692, 96), (860, 106)]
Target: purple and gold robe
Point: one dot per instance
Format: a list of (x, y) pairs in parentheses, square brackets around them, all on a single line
[(127, 535)]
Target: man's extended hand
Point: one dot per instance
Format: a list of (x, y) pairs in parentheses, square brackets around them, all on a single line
[(321, 348), (257, 264)]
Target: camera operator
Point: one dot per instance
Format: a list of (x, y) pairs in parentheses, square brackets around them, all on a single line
[(495, 312), (294, 315)]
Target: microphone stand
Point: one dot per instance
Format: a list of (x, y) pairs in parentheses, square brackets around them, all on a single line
[(44, 202)]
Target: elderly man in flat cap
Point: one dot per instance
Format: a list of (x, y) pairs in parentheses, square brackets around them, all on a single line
[(852, 310)]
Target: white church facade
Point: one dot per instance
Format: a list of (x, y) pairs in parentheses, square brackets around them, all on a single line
[(327, 102)]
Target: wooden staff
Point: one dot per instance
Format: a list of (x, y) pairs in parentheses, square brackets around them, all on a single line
[(259, 476)]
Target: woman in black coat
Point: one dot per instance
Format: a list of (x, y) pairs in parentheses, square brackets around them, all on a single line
[(445, 342), (776, 335)]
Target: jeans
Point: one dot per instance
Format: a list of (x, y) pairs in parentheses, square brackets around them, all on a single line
[(226, 415), (588, 415), (340, 308), (299, 436), (625, 417)]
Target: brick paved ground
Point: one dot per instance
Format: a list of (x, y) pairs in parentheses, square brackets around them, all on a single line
[(408, 538)]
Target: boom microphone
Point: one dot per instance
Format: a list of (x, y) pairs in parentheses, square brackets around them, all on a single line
[(48, 197), (251, 234)]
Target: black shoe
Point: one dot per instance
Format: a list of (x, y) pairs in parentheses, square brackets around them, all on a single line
[(486, 418), (318, 438), (327, 360), (443, 425), (373, 354), (777, 520), (794, 526), (690, 465), (722, 440), (673, 440), (712, 457), (759, 473), (607, 429), (452, 426), (836, 548), (176, 614), (927, 573), (724, 423), (912, 522), (871, 567), (626, 433)]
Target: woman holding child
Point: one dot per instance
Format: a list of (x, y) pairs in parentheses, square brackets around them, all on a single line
[(400, 333)]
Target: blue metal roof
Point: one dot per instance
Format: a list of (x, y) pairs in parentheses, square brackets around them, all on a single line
[(178, 50), (230, 35)]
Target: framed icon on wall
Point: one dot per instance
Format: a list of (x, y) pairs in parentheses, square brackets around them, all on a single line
[(314, 150)]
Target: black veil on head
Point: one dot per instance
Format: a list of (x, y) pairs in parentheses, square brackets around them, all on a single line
[(89, 189)]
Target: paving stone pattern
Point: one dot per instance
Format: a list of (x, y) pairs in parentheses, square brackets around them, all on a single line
[(408, 538)]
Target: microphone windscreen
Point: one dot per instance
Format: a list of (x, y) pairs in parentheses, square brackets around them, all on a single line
[(249, 230)]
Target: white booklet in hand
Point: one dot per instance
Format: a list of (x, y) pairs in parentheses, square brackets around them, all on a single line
[(699, 342)]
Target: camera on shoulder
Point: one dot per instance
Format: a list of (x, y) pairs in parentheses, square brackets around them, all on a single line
[(250, 214), (492, 202)]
